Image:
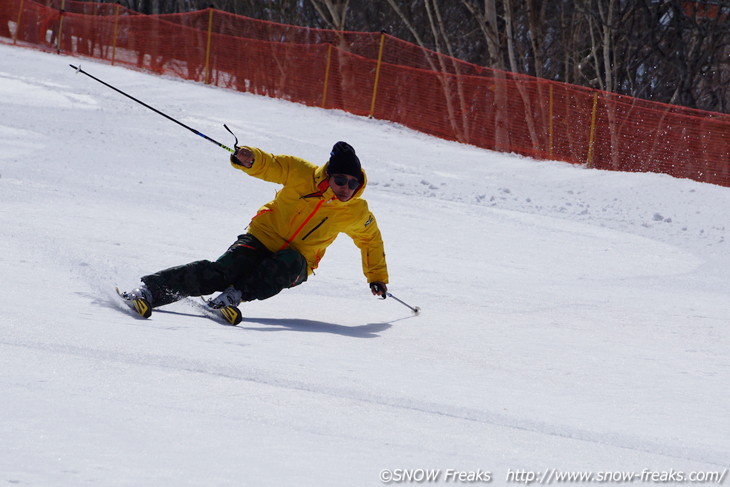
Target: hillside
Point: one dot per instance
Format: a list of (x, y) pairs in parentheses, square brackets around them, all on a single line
[(573, 319)]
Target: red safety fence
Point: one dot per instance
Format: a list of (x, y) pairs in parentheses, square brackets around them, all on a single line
[(374, 74)]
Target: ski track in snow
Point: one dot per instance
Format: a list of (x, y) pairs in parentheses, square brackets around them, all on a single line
[(261, 378)]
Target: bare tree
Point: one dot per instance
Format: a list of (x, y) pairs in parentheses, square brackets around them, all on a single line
[(333, 12), (486, 18)]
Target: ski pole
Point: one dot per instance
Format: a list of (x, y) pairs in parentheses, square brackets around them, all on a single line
[(416, 310), (196, 132)]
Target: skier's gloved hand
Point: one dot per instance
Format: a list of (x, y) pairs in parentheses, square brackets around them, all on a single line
[(242, 157), (379, 289)]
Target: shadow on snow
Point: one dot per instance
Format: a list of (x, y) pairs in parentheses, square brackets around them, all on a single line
[(370, 330)]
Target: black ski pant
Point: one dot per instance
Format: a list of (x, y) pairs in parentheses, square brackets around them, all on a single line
[(247, 265)]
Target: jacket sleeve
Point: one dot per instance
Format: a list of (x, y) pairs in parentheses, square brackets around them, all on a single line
[(366, 235), (281, 169)]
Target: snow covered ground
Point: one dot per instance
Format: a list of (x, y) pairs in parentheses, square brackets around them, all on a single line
[(573, 320)]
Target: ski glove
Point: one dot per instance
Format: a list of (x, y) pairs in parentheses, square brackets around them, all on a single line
[(379, 289), (242, 157)]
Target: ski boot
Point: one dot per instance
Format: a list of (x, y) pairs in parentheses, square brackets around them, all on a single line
[(139, 300), (226, 303)]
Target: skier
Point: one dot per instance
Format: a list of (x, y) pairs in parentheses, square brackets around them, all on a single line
[(285, 240)]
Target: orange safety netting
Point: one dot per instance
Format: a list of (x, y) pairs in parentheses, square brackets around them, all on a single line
[(377, 75)]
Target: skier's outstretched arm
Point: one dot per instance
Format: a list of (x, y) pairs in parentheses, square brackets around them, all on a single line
[(281, 169)]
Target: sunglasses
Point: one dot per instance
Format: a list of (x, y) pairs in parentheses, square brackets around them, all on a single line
[(345, 181)]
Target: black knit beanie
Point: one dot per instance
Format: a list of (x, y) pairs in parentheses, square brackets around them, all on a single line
[(344, 161)]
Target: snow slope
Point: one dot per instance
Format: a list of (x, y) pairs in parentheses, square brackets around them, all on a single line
[(573, 319)]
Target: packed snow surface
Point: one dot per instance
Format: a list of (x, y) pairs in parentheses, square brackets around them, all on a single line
[(572, 319)]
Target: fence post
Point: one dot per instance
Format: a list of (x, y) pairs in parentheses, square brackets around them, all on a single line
[(116, 31), (207, 47), (377, 74), (589, 159), (60, 27), (327, 74), (17, 24), (550, 123)]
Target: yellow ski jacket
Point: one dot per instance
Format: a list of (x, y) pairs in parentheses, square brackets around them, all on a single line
[(307, 216)]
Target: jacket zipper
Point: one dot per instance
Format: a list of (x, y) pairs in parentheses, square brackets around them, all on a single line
[(318, 225)]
